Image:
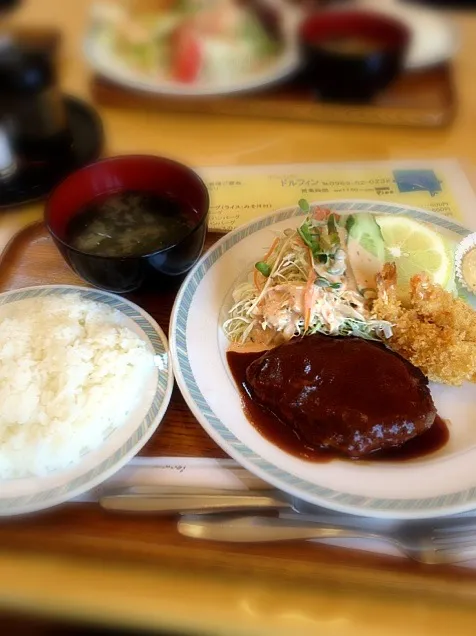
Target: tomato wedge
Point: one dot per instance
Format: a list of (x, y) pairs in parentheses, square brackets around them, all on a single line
[(187, 55)]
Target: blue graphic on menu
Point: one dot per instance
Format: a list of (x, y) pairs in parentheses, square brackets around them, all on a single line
[(417, 181)]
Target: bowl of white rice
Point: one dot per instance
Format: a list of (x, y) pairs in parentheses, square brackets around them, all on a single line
[(85, 380)]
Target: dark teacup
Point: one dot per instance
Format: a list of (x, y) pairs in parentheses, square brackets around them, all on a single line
[(31, 104)]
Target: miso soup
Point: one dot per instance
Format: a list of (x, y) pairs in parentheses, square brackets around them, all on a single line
[(129, 223), (356, 45)]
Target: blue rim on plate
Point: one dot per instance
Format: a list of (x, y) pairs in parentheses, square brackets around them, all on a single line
[(48, 497), (423, 507)]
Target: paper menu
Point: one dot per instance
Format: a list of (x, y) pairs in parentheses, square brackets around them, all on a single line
[(239, 194)]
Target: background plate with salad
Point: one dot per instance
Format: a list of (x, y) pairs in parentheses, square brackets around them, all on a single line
[(192, 47)]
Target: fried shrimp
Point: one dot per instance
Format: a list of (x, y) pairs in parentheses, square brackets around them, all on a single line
[(434, 331)]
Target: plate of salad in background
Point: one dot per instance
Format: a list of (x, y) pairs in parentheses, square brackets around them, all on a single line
[(192, 47), (350, 271)]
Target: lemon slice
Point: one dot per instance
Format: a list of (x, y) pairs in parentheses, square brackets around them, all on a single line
[(415, 248)]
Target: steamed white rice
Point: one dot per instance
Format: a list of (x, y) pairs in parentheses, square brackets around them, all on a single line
[(70, 372)]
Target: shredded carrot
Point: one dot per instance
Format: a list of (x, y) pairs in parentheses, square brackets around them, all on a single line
[(257, 276), (308, 298), (311, 258), (271, 249)]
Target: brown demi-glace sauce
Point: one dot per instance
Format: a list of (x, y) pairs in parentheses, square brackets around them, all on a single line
[(274, 430)]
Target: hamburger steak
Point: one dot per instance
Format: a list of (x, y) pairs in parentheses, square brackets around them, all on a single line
[(347, 394)]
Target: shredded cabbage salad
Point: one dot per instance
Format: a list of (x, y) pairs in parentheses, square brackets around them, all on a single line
[(303, 285), (188, 41)]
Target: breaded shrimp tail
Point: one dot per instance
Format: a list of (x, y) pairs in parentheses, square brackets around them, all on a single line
[(435, 331)]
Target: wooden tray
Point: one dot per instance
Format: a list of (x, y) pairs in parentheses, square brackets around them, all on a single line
[(425, 98), (86, 530)]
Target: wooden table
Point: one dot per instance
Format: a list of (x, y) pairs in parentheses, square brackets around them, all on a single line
[(108, 590)]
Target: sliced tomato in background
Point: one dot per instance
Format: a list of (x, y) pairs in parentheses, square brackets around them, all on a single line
[(187, 55)]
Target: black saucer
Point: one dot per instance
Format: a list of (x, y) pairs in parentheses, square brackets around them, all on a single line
[(35, 180)]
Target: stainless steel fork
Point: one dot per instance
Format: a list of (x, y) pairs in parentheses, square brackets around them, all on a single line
[(437, 543)]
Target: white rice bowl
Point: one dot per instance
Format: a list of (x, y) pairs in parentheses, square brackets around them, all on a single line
[(71, 373)]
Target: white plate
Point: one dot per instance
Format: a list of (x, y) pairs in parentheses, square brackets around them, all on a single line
[(439, 484), (434, 37), (104, 61), (36, 493)]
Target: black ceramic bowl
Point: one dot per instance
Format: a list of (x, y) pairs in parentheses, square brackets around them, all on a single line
[(139, 173), (352, 55)]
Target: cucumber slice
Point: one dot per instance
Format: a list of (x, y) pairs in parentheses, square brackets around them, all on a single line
[(364, 229)]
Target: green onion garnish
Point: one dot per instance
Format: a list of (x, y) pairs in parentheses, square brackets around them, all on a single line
[(332, 230), (349, 223), (263, 268), (322, 282), (310, 240)]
